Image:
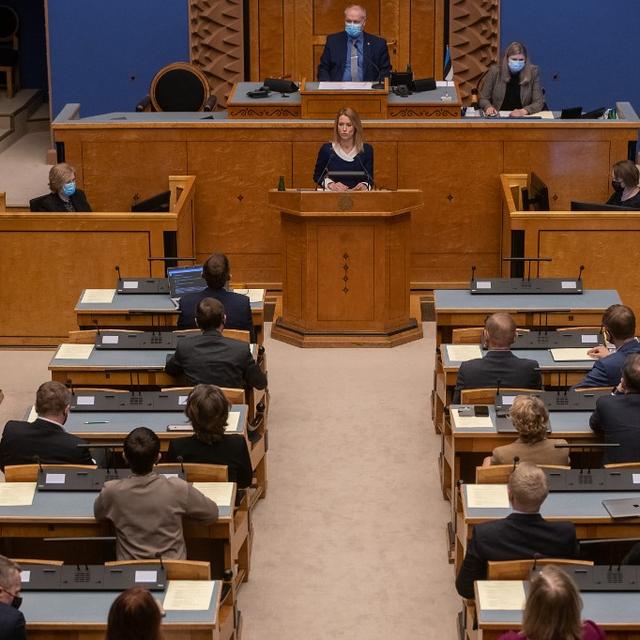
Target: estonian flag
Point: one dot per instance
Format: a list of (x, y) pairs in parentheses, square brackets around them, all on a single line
[(448, 67)]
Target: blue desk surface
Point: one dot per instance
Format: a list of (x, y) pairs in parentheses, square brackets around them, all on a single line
[(448, 300), (92, 607)]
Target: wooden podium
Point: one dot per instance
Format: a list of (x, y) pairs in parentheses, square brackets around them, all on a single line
[(346, 268)]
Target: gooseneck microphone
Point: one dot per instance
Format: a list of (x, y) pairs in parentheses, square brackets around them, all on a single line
[(323, 173)]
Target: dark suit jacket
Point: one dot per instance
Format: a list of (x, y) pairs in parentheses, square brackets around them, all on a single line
[(519, 536), (607, 371), (21, 441), (617, 419), (237, 308), (376, 63), (232, 450), (54, 204), (210, 358), (12, 624), (497, 366), (328, 161)]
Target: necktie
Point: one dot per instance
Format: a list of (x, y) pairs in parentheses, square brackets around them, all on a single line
[(354, 61)]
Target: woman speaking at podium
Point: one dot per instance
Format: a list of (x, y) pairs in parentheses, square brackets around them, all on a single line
[(347, 154)]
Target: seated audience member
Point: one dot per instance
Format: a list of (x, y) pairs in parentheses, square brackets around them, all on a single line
[(237, 307), (552, 611), (617, 417), (12, 622), (624, 180), (64, 195), (146, 509), (521, 535), (44, 440), (208, 410), (513, 85), (531, 420), (134, 615), (210, 358), (619, 329), (499, 366)]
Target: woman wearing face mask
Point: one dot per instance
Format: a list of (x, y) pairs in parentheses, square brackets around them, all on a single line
[(624, 180), (513, 85), (64, 195)]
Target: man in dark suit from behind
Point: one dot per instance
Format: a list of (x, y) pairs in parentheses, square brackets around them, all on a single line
[(216, 272), (521, 535), (499, 366), (44, 440), (12, 623), (369, 53), (210, 358), (616, 417)]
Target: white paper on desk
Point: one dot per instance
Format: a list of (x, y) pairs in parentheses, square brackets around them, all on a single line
[(344, 86), (17, 494), (188, 595), (232, 421), (501, 595), (255, 295), (568, 354), (462, 422), (73, 352), (220, 492), (545, 115), (487, 496), (463, 352), (98, 296), (33, 415)]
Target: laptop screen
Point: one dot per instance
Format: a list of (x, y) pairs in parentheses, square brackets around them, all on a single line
[(183, 280)]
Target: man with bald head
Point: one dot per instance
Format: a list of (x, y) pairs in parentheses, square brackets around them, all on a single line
[(499, 366)]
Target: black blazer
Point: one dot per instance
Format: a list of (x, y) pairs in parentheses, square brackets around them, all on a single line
[(210, 358), (232, 450), (53, 203), (497, 366), (237, 309), (21, 441), (617, 419), (12, 623), (519, 536)]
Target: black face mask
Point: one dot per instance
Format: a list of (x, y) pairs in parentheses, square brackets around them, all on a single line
[(16, 602), (617, 186)]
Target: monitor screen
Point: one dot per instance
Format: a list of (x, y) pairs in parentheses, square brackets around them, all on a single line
[(183, 280), (598, 206), (158, 202)]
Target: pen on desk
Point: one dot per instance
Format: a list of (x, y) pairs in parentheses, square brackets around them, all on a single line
[(96, 422)]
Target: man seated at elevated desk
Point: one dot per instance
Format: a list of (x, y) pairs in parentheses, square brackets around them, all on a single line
[(354, 55), (618, 329), (499, 366), (210, 358), (217, 274), (521, 535), (617, 417), (147, 508), (44, 440)]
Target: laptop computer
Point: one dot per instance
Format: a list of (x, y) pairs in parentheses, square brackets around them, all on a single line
[(623, 507), (183, 280)]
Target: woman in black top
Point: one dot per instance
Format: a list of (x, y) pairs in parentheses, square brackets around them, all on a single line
[(208, 410), (64, 195), (624, 180)]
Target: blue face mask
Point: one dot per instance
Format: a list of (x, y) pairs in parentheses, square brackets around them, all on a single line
[(353, 30), (69, 188), (516, 66)]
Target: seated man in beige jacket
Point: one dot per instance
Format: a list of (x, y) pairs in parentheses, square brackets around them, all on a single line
[(147, 508)]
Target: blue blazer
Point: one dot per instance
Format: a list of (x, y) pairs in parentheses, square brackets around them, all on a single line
[(328, 161), (376, 58), (607, 371), (12, 623)]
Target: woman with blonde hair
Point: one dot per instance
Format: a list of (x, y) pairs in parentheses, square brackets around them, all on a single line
[(552, 611), (347, 153), (513, 85), (531, 420), (64, 196)]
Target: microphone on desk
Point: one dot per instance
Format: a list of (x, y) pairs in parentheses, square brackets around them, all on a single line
[(536, 557), (369, 176), (69, 385), (95, 322), (36, 459), (579, 278), (180, 459), (323, 173), (117, 267), (379, 83), (158, 555), (516, 460), (473, 275)]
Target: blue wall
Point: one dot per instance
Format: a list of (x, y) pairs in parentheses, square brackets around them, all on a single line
[(586, 49), (105, 54)]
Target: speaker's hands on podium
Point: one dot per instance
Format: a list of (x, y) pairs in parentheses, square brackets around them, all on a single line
[(337, 186)]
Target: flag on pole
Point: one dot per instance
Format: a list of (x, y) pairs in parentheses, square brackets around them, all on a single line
[(448, 67)]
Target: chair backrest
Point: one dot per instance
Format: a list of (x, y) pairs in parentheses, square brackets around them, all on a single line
[(520, 569), (569, 329), (237, 334), (623, 465), (499, 473), (467, 335), (52, 563), (488, 395), (176, 569), (593, 389), (197, 472), (9, 25), (179, 87), (29, 472), (234, 396)]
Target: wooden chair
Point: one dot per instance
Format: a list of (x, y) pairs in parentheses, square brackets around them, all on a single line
[(52, 563), (9, 55), (29, 472), (594, 329), (176, 569), (593, 390), (197, 472), (467, 335), (98, 390), (234, 396), (499, 473), (88, 336), (488, 395), (623, 465), (234, 334), (520, 569)]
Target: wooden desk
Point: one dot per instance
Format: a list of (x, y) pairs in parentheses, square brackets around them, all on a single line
[(47, 259)]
